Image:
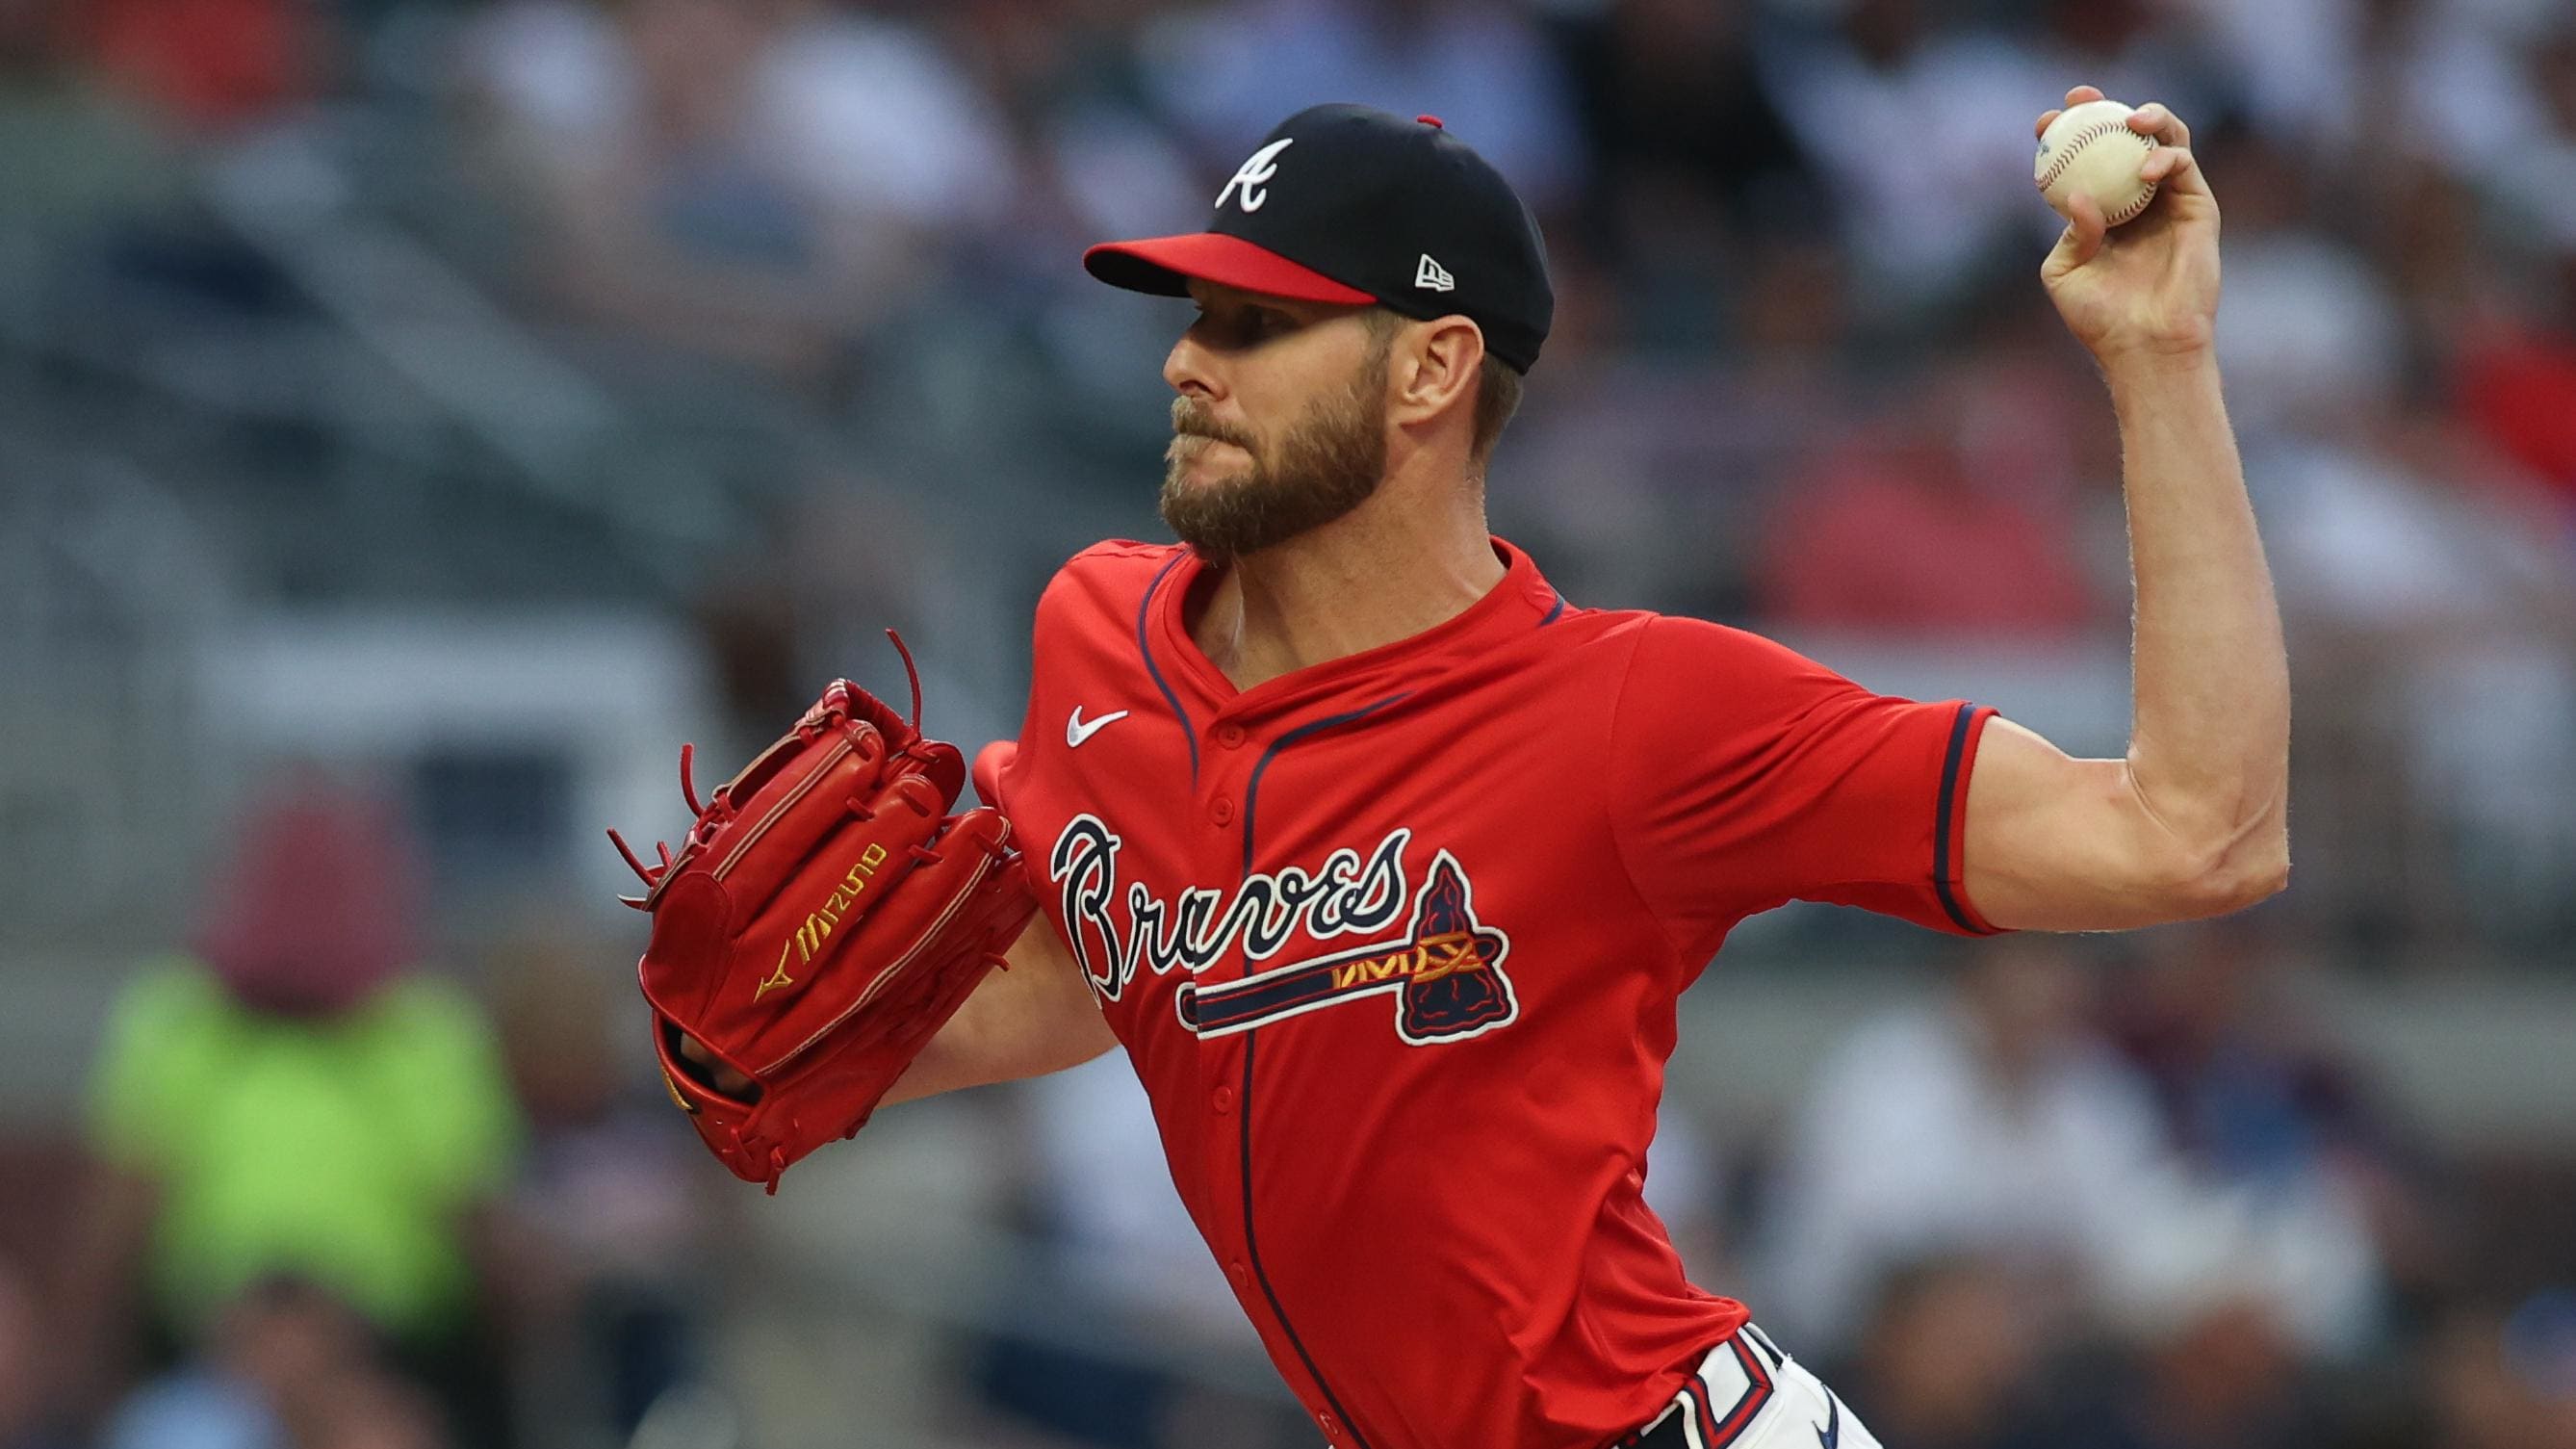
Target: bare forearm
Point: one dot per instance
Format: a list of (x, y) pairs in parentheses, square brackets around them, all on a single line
[(2191, 823), (1036, 1017), (2210, 733)]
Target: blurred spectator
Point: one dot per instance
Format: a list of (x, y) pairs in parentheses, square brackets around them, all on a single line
[(1950, 1357), (1131, 1314), (1871, 98), (612, 1204), (2540, 1352), (1989, 1122), (2413, 568), (1093, 160), (2517, 373), (80, 154), (2309, 338), (1092, 156), (300, 1100), (2354, 85), (210, 65), (2410, 588), (2131, 49), (1691, 169), (2517, 385), (1234, 70), (2504, 1378), (285, 1366), (375, 1412), (100, 229), (25, 1402), (760, 181), (1954, 513), (2213, 1370), (2261, 1107), (876, 122), (2486, 91)]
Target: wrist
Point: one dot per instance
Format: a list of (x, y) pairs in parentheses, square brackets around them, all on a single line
[(2147, 373), (2158, 358)]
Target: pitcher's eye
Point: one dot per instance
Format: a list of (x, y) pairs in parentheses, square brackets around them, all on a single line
[(1242, 326)]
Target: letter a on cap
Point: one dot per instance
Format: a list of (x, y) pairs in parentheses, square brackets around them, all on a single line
[(1431, 276), (1254, 173)]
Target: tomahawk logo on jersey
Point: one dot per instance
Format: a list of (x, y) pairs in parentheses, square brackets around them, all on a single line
[(1446, 973), (1445, 967), (1475, 866)]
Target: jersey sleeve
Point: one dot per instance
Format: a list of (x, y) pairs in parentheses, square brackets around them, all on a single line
[(991, 762), (1745, 775), (1089, 623)]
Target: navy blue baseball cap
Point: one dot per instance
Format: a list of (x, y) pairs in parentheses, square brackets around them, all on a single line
[(1353, 205)]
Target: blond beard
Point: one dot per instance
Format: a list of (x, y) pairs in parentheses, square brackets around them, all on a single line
[(1330, 461)]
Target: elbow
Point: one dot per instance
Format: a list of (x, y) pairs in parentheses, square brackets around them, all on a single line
[(2229, 876), (2252, 881)]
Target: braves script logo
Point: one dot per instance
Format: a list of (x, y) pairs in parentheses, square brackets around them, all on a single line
[(1442, 964), (1254, 174)]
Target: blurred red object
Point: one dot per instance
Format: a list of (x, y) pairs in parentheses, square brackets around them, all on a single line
[(1892, 536), (320, 905), (2519, 389), (207, 64)]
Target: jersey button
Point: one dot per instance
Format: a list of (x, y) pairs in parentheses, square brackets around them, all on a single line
[(1332, 1429), (1230, 736), (1241, 1274), (1222, 812), (1222, 1099)]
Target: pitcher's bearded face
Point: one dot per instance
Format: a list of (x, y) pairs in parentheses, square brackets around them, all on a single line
[(1231, 489)]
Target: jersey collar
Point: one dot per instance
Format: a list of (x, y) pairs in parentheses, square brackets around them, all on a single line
[(1522, 601)]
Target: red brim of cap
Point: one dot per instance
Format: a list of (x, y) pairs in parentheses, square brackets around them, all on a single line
[(1163, 265)]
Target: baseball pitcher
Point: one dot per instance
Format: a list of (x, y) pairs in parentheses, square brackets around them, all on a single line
[(1386, 862)]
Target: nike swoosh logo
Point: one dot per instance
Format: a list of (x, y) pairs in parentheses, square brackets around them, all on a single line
[(1830, 1433), (1077, 729)]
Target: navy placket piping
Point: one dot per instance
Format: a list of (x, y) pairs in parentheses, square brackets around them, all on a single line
[(1145, 647), (1251, 1044)]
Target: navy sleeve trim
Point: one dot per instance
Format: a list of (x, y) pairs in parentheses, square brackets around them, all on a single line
[(1945, 816), (1145, 647)]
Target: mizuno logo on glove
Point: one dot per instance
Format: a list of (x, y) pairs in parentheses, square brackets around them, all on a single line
[(809, 937)]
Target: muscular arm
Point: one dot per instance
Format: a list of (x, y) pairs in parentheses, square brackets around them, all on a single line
[(2194, 820), (1037, 1017)]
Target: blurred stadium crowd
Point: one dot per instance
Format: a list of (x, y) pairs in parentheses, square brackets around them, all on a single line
[(517, 365)]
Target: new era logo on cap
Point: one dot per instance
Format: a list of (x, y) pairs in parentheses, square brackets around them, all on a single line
[(1368, 192)]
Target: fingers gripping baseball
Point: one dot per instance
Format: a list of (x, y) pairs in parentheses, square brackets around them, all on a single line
[(2143, 279)]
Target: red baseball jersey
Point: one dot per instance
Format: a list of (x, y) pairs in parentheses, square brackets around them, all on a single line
[(1394, 943)]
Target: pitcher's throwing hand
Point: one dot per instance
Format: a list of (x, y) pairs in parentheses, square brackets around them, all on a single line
[(2151, 287)]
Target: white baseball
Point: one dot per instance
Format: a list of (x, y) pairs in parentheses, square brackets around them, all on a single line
[(2090, 149)]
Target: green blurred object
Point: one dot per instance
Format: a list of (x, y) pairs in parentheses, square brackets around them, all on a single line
[(341, 1149)]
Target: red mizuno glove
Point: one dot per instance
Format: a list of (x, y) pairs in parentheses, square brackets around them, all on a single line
[(824, 917)]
